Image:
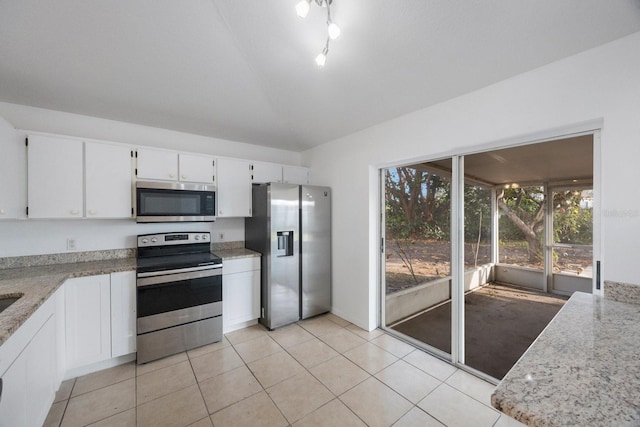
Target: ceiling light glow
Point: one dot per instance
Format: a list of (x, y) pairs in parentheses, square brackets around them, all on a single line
[(302, 8), (333, 30)]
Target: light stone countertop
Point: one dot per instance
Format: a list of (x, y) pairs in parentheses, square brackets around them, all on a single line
[(236, 253), (36, 284), (583, 370)]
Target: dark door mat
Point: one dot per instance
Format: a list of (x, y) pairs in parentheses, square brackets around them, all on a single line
[(501, 322)]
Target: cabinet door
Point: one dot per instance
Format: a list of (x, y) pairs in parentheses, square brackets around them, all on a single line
[(157, 164), (241, 291), (107, 181), (123, 313), (13, 400), (234, 188), (55, 177), (240, 298), (197, 168), (266, 172), (28, 386), (295, 175), (40, 357), (88, 323), (13, 169)]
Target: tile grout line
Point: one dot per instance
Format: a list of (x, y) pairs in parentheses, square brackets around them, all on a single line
[(319, 337), (258, 381)]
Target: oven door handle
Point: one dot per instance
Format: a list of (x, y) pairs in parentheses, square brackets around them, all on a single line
[(168, 278), (180, 270)]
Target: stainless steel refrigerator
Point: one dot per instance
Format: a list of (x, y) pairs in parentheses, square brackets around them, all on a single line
[(291, 228)]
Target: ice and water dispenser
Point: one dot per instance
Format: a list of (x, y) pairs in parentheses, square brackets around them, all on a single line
[(285, 243)]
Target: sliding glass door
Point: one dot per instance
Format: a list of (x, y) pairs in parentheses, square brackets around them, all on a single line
[(417, 253), (479, 252)]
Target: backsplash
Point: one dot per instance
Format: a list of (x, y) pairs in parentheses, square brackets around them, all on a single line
[(223, 246), (622, 292), (65, 258)]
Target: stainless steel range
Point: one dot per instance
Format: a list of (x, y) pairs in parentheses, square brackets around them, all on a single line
[(179, 291)]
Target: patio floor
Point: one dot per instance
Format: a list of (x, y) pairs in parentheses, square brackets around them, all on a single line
[(501, 322)]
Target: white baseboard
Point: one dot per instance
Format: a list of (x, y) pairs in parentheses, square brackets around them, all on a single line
[(94, 367), (241, 325)]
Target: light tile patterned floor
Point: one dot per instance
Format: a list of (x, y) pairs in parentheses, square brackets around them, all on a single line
[(319, 372)]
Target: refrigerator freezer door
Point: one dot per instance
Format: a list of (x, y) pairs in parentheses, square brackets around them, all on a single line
[(315, 231), (283, 282)]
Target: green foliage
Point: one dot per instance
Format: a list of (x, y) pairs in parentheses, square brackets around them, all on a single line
[(477, 213), (417, 204), (527, 204), (572, 223)]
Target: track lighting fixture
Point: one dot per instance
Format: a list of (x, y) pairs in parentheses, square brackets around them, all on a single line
[(333, 30)]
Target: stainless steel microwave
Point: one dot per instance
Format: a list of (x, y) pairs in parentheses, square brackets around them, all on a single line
[(174, 202)]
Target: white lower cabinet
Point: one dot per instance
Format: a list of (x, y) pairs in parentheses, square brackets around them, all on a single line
[(123, 313), (100, 318), (240, 292), (13, 400), (41, 373), (28, 363), (87, 320)]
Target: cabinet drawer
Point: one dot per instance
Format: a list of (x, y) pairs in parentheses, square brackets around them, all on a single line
[(240, 265)]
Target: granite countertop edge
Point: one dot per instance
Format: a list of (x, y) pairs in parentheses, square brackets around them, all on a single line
[(37, 284), (581, 370), (236, 253)]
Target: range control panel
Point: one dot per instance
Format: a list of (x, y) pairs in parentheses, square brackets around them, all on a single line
[(164, 239)]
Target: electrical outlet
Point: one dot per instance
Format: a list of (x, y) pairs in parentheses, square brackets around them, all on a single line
[(71, 244), (221, 236)]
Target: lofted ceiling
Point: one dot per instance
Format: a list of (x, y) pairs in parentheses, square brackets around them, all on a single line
[(244, 70)]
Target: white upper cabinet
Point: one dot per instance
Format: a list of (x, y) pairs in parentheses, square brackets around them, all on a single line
[(66, 180), (295, 175), (168, 165), (194, 168), (55, 177), (108, 181), (157, 164), (266, 172), (13, 169), (234, 188)]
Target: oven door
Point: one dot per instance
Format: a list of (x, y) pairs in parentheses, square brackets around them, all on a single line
[(168, 300)]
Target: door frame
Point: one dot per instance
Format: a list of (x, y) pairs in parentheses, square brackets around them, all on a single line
[(593, 127)]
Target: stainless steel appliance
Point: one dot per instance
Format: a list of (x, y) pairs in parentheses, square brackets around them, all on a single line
[(174, 202), (291, 227), (179, 294)]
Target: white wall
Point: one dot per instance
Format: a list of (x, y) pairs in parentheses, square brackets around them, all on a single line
[(598, 86), (42, 120), (35, 237)]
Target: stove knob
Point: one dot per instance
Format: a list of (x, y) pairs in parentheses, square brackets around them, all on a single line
[(205, 237), (154, 240), (196, 237), (145, 240)]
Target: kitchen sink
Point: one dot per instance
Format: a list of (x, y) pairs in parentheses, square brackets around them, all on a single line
[(7, 300)]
